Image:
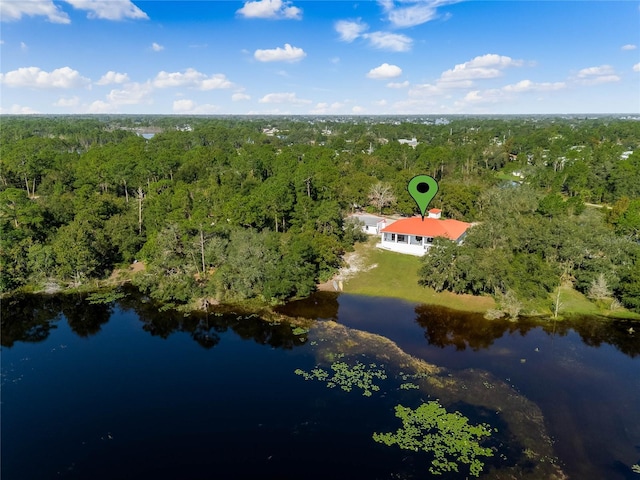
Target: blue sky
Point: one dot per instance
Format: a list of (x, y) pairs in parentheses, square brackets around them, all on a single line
[(319, 57)]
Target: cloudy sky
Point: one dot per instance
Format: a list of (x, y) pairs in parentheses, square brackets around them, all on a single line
[(319, 57)]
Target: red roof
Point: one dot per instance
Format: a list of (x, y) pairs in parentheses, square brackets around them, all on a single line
[(430, 227), (435, 210)]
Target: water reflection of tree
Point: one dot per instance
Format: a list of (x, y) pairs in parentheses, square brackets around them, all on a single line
[(319, 305), (624, 335), (84, 318), (205, 327), (29, 318), (444, 327)]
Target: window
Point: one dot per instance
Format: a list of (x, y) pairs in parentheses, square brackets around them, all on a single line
[(429, 239), (419, 239), (402, 238)]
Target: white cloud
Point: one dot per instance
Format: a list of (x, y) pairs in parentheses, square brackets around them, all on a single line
[(358, 109), (24, 47), (385, 71), (595, 71), (349, 30), (395, 42), (12, 10), (462, 76), (216, 82), (602, 79), (492, 95), (597, 75), (15, 10), (380, 103), (100, 106), (484, 66), (416, 13), (67, 102), (113, 77), (324, 108), (34, 77), (629, 46), (529, 86), (184, 106), (156, 47), (636, 67), (109, 9), (404, 84), (424, 90), (239, 96), (286, 54), (18, 110), (191, 78), (288, 97), (507, 93), (273, 9), (131, 94)]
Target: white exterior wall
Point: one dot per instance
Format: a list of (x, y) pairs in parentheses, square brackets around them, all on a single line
[(404, 247)]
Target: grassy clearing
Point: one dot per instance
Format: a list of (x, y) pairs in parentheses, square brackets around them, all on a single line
[(396, 275), (574, 302)]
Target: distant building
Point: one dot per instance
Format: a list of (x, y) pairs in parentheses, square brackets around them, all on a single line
[(414, 236), (412, 143)]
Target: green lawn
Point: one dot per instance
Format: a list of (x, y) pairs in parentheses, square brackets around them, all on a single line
[(396, 275), (574, 302)]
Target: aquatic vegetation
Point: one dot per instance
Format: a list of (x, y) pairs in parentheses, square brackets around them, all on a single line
[(101, 298), (447, 436), (347, 377), (299, 330), (415, 376), (408, 386)]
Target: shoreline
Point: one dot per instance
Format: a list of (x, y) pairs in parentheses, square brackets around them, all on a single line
[(361, 275)]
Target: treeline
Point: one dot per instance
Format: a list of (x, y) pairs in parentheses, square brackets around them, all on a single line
[(236, 208)]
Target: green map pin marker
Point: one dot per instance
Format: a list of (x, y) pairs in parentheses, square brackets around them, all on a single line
[(422, 189)]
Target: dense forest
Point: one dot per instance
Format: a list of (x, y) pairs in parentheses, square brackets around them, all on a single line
[(239, 208)]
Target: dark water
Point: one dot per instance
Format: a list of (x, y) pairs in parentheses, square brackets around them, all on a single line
[(125, 391), (583, 373)]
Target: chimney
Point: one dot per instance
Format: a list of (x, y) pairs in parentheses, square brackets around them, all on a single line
[(434, 213)]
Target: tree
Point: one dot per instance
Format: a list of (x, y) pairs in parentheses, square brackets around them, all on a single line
[(599, 289), (19, 209), (75, 250), (381, 195)]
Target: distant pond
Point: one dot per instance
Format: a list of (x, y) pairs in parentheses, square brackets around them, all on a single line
[(124, 391)]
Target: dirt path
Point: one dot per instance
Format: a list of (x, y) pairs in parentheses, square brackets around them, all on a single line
[(355, 261)]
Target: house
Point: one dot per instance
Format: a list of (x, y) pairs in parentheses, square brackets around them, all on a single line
[(371, 224), (414, 235)]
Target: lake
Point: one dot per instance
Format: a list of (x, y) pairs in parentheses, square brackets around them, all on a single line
[(127, 391)]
